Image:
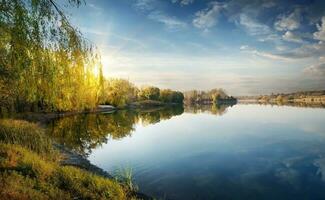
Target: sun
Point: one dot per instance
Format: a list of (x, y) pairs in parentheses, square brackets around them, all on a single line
[(95, 71), (108, 63)]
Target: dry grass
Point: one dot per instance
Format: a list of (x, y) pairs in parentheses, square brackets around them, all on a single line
[(26, 175), (30, 169), (26, 134)]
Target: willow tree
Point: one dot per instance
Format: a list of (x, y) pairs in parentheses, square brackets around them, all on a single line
[(45, 63), (118, 92)]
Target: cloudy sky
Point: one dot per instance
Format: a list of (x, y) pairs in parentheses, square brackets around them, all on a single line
[(245, 46)]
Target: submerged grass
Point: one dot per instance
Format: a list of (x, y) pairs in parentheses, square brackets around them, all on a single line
[(125, 176), (28, 169)]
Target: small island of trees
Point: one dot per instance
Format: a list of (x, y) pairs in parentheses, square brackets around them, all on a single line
[(214, 96)]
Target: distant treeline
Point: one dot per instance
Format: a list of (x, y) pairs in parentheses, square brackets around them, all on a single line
[(207, 97), (307, 97), (121, 92)]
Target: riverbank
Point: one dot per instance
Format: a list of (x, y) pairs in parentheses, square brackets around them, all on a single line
[(300, 98), (275, 103), (41, 169), (317, 101), (76, 160), (45, 117), (69, 158)]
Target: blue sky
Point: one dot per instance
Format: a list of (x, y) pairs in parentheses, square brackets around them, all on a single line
[(244, 46)]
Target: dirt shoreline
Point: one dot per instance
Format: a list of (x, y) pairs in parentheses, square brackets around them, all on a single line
[(76, 160)]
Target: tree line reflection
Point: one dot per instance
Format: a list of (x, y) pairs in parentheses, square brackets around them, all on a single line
[(82, 133), (215, 109)]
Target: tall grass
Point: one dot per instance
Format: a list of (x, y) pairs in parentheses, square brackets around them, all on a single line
[(26, 175), (30, 169), (26, 134)]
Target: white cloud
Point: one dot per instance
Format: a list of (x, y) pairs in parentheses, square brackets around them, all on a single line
[(292, 37), (290, 22), (170, 22), (316, 69), (252, 26), (207, 18), (253, 51), (183, 2), (271, 37), (271, 55), (281, 47), (93, 6), (305, 51), (320, 34), (322, 59), (145, 5), (151, 8), (244, 47), (320, 163)]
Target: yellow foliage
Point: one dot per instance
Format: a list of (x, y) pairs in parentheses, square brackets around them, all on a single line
[(118, 92)]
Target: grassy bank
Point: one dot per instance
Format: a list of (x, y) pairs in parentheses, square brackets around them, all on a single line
[(30, 169)]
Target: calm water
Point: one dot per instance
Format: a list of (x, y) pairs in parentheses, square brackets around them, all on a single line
[(239, 152)]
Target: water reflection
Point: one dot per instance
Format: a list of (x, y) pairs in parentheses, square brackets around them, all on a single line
[(215, 109), (284, 103), (82, 133), (251, 152)]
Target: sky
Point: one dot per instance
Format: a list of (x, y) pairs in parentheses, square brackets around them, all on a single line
[(247, 47)]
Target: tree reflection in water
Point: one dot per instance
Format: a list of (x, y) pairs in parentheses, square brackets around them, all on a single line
[(82, 133), (215, 109)]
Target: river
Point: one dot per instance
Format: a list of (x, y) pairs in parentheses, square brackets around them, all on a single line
[(208, 152)]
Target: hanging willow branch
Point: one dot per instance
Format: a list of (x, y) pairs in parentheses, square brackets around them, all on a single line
[(44, 60)]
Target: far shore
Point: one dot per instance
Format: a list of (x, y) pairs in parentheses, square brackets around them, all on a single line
[(283, 103)]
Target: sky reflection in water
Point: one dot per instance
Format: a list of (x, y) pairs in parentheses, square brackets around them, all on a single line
[(248, 152)]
